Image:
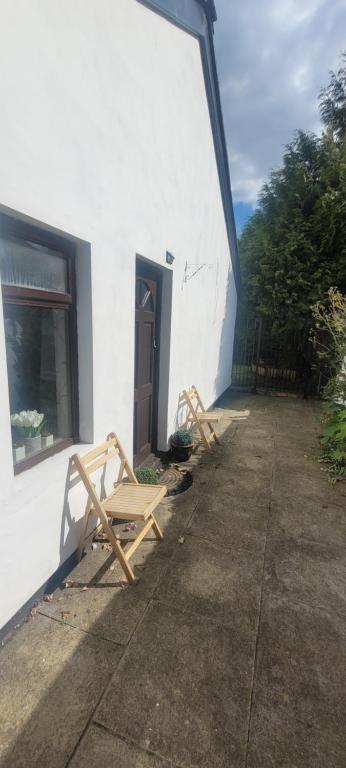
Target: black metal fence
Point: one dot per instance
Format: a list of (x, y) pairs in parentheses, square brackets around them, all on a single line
[(265, 361)]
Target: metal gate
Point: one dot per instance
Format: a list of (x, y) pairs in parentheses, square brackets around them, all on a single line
[(264, 361)]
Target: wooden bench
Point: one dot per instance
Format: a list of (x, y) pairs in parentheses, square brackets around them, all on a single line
[(198, 416), (129, 501)]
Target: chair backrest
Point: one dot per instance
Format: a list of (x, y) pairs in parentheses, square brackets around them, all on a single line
[(89, 462), (192, 399)]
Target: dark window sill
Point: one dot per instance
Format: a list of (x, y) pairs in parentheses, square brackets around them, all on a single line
[(42, 455)]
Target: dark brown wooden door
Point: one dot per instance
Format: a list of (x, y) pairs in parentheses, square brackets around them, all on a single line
[(145, 347)]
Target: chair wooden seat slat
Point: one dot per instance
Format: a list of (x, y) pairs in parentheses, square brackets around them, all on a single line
[(129, 501), (138, 501), (212, 416), (198, 416)]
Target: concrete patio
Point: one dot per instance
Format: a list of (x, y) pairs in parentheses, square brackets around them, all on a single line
[(230, 651)]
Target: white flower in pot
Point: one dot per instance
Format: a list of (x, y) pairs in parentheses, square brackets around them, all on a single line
[(30, 424)]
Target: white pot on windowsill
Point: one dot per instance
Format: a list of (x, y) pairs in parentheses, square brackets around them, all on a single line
[(32, 445), (18, 452), (47, 441)]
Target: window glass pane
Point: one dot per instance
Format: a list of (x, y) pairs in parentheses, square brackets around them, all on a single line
[(38, 376), (144, 297), (30, 265)]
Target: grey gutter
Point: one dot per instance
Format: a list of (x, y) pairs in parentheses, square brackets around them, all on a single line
[(196, 17)]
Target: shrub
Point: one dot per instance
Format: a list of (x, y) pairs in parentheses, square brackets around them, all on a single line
[(182, 437), (147, 475), (330, 319), (334, 440)]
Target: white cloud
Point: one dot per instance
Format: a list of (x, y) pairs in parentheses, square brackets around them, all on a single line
[(246, 182), (273, 57), (301, 78), (292, 13)]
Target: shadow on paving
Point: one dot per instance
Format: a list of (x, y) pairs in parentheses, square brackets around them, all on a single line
[(162, 674)]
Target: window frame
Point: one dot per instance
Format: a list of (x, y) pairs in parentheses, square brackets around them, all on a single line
[(35, 297)]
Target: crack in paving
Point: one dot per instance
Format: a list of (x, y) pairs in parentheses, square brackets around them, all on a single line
[(133, 743)]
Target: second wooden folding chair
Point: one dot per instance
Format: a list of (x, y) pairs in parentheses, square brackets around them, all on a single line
[(198, 416)]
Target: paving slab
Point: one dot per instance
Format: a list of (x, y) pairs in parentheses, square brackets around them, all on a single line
[(98, 599), (182, 690), (278, 740), (51, 678), (257, 433), (302, 486), (301, 665), (258, 463), (292, 419), (306, 450), (101, 749), (307, 572), (230, 523), (243, 485), (290, 436), (105, 611), (298, 460), (174, 516), (212, 581), (302, 443), (247, 443), (322, 522)]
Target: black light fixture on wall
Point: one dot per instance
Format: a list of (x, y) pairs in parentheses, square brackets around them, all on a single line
[(169, 258)]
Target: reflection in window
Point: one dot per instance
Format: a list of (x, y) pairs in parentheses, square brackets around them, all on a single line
[(38, 373), (144, 298)]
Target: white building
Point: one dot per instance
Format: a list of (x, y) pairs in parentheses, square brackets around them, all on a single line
[(112, 159)]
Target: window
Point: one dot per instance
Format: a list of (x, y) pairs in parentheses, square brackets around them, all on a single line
[(37, 277)]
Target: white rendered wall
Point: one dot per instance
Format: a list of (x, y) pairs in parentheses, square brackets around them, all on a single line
[(106, 136)]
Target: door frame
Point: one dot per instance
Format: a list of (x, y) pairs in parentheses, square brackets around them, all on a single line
[(145, 268)]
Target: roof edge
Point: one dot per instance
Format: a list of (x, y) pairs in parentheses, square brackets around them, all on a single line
[(209, 7)]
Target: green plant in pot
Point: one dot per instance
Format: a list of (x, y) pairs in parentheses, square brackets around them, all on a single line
[(182, 444), (147, 475)]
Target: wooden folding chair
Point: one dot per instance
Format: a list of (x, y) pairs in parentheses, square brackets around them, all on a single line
[(129, 501), (198, 416)]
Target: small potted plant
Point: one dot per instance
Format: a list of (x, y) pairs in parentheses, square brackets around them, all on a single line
[(147, 475), (182, 444), (30, 424)]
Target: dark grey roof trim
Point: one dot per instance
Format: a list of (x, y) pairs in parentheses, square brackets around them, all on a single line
[(209, 7), (196, 17)]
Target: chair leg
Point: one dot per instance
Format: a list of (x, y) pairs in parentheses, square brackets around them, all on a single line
[(118, 550), (119, 553), (213, 433), (203, 435), (156, 528)]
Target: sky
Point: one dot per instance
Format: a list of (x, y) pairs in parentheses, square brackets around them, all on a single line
[(273, 57)]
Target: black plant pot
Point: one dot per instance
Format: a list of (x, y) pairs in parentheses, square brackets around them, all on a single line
[(181, 452)]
